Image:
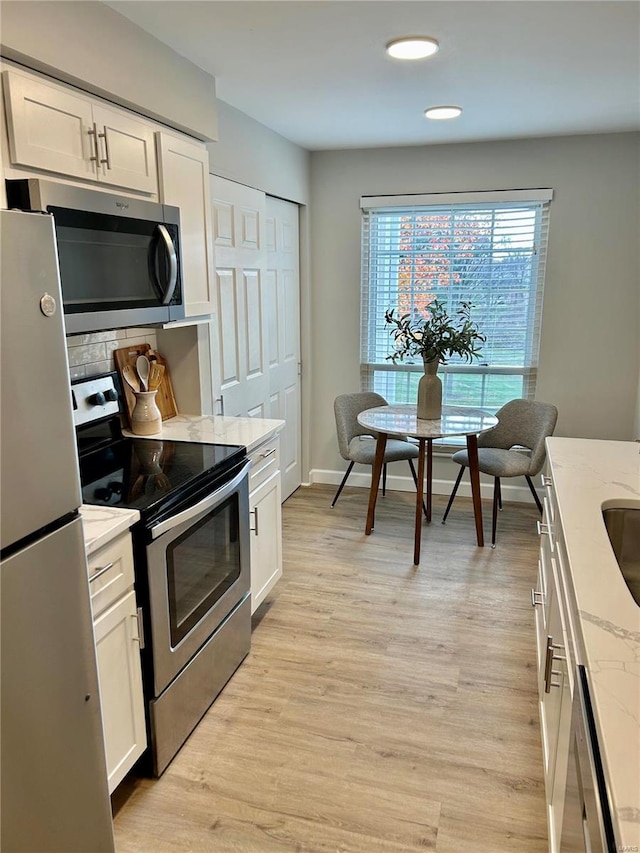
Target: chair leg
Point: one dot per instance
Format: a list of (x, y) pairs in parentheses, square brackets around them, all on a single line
[(341, 486), (499, 497), (534, 493), (384, 480), (453, 493), (496, 501), (415, 480)]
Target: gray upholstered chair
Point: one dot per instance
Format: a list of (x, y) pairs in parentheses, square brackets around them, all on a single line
[(356, 443), (523, 424)]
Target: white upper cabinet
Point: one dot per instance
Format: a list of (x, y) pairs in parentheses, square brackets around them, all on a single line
[(53, 129), (184, 182), (126, 150)]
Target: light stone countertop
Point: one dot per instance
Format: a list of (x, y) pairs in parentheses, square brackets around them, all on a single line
[(101, 524), (202, 429), (403, 420), (588, 474)]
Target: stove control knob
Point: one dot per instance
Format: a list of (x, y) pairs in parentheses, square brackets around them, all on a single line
[(97, 399), (111, 395)]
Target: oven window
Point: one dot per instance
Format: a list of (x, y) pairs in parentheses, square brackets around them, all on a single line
[(201, 566)]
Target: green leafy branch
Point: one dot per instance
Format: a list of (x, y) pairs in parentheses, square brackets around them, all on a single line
[(436, 337)]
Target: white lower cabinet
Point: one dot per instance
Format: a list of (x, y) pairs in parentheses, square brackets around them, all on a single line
[(265, 504), (555, 645), (115, 625)]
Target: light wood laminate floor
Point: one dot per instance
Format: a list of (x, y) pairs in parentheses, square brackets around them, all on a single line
[(382, 707)]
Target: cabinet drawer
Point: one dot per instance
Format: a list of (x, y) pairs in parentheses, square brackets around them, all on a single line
[(265, 461), (110, 573)]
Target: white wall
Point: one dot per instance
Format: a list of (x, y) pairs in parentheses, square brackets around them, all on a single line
[(91, 46), (589, 348), (252, 154)]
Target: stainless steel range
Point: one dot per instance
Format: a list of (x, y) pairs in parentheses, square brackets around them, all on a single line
[(191, 550)]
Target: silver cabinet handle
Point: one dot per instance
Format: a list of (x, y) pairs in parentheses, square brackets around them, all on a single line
[(138, 617), (107, 159), (546, 481), (543, 528), (268, 453), (255, 515), (100, 571), (549, 671), (534, 601), (220, 400), (93, 131)]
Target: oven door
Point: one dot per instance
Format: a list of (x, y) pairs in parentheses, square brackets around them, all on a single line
[(198, 571)]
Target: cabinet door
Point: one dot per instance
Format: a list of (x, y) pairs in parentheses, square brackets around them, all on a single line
[(120, 679), (49, 128), (184, 182), (126, 148), (552, 665), (266, 539)]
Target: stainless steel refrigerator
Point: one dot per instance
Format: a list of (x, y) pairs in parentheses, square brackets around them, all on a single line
[(53, 783)]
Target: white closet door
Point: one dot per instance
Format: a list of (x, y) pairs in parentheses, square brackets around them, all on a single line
[(240, 258), (282, 287)]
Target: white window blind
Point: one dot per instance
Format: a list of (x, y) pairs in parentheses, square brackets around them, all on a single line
[(485, 248)]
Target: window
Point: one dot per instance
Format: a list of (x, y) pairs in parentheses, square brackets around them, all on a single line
[(485, 248)]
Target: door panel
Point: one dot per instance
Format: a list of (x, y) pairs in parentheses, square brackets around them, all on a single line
[(282, 277), (239, 222), (254, 337), (228, 334), (223, 224)]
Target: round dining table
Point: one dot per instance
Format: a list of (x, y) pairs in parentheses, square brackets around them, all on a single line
[(402, 420)]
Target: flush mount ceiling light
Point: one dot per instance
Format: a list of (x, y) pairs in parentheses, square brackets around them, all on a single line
[(441, 113), (412, 47)]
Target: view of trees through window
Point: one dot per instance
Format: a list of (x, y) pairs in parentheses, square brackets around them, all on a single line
[(489, 255)]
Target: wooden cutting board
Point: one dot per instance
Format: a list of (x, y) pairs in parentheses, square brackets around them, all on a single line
[(165, 399)]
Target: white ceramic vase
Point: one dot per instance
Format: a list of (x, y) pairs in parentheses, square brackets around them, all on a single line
[(145, 417), (430, 392)]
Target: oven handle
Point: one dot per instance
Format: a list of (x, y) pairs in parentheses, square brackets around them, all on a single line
[(202, 506)]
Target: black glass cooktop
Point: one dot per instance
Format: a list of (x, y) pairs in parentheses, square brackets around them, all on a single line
[(150, 474)]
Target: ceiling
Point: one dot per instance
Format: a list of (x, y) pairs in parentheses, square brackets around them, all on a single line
[(317, 73)]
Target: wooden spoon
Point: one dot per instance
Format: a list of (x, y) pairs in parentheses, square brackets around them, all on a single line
[(130, 378), (142, 366)]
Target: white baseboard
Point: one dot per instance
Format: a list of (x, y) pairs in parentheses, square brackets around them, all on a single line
[(510, 491)]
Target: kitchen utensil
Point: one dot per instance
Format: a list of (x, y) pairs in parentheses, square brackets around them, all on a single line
[(165, 399), (143, 367), (156, 372), (129, 375)]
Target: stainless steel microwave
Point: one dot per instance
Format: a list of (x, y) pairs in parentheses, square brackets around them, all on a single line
[(119, 257)]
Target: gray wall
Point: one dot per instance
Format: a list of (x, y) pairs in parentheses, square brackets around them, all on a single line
[(589, 349), (91, 46)]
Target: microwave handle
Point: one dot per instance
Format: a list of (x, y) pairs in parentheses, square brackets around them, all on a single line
[(170, 250), (206, 503)]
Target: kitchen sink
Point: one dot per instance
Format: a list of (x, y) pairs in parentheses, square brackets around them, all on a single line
[(623, 528)]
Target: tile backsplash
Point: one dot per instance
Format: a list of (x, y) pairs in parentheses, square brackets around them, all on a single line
[(93, 353)]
